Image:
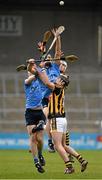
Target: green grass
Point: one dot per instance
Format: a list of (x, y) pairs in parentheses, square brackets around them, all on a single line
[(18, 164)]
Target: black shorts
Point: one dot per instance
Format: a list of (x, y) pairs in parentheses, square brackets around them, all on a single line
[(45, 102), (33, 117)]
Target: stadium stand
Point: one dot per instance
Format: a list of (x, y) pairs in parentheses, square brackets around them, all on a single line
[(83, 102)]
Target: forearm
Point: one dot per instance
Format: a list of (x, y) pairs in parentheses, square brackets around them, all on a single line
[(58, 50), (44, 78), (58, 45), (50, 85)]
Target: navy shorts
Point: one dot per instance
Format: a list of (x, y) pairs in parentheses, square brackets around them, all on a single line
[(33, 117), (45, 102)]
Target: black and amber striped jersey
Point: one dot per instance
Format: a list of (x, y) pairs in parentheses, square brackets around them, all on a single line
[(56, 104)]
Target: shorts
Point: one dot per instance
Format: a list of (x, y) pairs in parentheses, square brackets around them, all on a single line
[(59, 124), (33, 117), (45, 102)]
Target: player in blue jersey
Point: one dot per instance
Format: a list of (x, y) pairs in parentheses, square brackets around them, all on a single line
[(53, 72), (34, 115)]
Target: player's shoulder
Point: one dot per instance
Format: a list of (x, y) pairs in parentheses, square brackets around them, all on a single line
[(54, 64)]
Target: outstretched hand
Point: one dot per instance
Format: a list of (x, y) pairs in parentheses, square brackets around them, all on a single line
[(41, 47)]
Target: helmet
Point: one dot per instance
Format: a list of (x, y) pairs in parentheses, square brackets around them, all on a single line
[(64, 63)]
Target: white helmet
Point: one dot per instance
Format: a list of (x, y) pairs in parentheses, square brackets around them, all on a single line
[(64, 63)]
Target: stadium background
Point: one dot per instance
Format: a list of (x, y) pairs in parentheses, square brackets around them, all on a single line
[(22, 25)]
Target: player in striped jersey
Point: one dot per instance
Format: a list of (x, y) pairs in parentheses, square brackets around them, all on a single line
[(59, 128)]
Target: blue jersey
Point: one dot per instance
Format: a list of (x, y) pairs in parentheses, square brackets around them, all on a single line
[(43, 87), (33, 94), (52, 72)]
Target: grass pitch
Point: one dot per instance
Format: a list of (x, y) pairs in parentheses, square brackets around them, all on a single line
[(18, 164)]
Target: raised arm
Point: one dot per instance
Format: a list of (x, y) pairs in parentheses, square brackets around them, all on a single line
[(58, 52), (44, 78), (32, 68)]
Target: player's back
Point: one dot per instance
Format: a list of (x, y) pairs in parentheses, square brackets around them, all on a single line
[(56, 104), (33, 94)]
